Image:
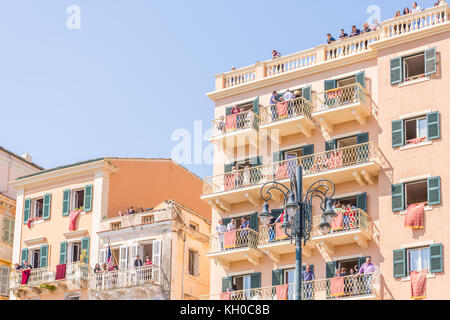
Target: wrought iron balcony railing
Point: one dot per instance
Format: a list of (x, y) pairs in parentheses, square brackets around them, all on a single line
[(296, 107), (237, 239), (234, 123), (339, 97)]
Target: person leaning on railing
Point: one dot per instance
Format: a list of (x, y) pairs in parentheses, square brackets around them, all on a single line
[(367, 269), (308, 287), (221, 229)]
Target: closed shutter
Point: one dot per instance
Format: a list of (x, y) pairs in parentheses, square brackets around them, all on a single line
[(276, 213), (398, 133), (361, 201), (135, 248), (88, 198), (228, 167), (226, 283), (85, 250), (330, 84), (398, 197), (277, 277), (434, 190), (362, 138), (102, 258), (228, 111), (26, 211), (433, 126), (400, 263), (256, 105), (63, 252), (361, 78), (362, 151), (66, 202), (123, 257), (308, 150), (396, 70), (47, 206), (6, 230), (254, 221), (306, 93), (255, 280), (331, 269), (436, 264), (430, 61), (24, 255), (4, 281), (44, 256), (11, 228), (307, 162)]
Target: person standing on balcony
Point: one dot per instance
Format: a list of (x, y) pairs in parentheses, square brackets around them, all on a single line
[(277, 55), (137, 262), (308, 288), (221, 229), (231, 226), (330, 39), (273, 105), (367, 269), (415, 8), (137, 265), (343, 35), (244, 234), (288, 96), (236, 110)]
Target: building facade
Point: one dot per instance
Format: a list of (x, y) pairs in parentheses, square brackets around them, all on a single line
[(369, 113), (64, 219)]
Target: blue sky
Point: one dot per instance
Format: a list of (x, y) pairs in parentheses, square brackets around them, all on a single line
[(139, 69)]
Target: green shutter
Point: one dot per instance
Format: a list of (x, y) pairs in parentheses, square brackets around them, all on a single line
[(433, 126), (362, 151), (396, 70), (277, 277), (400, 263), (398, 197), (87, 198), (226, 221), (228, 168), (63, 253), (330, 84), (228, 111), (44, 256), (330, 145), (254, 221), (361, 78), (436, 264), (256, 105), (276, 213), (24, 255), (362, 138), (331, 269), (278, 156), (66, 202), (85, 247), (47, 206), (362, 260), (255, 280), (398, 133), (361, 201), (256, 161), (430, 61), (26, 211), (226, 283), (308, 150), (306, 93), (434, 190)]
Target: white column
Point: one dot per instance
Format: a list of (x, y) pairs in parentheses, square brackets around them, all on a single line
[(18, 224)]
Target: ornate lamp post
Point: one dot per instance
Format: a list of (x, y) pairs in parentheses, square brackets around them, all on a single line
[(298, 208)]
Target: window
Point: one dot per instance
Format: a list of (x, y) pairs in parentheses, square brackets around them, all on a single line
[(4, 281), (38, 208), (346, 82), (416, 128), (288, 276), (418, 259), (35, 260), (346, 142), (416, 66), (73, 296), (193, 226), (416, 192), (77, 199), (293, 154), (242, 282), (420, 191), (8, 230), (74, 252), (193, 262)]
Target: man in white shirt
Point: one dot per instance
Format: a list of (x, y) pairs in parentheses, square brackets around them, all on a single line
[(415, 7), (288, 95), (231, 226), (221, 229)]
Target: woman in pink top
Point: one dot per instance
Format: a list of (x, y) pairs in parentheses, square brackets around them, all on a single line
[(148, 262)]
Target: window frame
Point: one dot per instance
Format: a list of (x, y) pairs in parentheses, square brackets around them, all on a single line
[(417, 120), (74, 198), (34, 205), (31, 255), (408, 263), (406, 184), (404, 66), (194, 264)]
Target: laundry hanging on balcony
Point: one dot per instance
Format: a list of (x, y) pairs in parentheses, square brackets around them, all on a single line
[(416, 140), (60, 272), (418, 284), (225, 296), (337, 222), (282, 109), (335, 160), (230, 181), (231, 122), (337, 286), (230, 239), (279, 231), (282, 172), (282, 292), (73, 219), (415, 216), (25, 276)]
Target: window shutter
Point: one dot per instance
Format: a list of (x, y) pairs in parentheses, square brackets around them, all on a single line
[(277, 277), (4, 281), (361, 78), (308, 150), (156, 258), (396, 70), (433, 126), (398, 133), (88, 198), (331, 269), (362, 260), (434, 190), (330, 145), (256, 105), (102, 258), (44, 256), (330, 84), (63, 252), (47, 206), (228, 167), (254, 221), (228, 111), (255, 280), (256, 161), (26, 211), (362, 138), (400, 263), (430, 61), (135, 250), (11, 228), (306, 93), (226, 283), (436, 264), (278, 156), (66, 202), (226, 221), (123, 257), (361, 201), (398, 197), (276, 213), (24, 255), (85, 250)]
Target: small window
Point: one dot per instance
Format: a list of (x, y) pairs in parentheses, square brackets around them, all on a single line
[(38, 208), (148, 219), (346, 82), (74, 297), (35, 258), (418, 259), (193, 226), (78, 199), (414, 66), (416, 192), (242, 282), (346, 142), (416, 128), (4, 281), (193, 262), (74, 252)]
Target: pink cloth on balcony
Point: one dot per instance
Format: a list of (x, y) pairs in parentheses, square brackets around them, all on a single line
[(73, 219), (282, 172), (230, 239), (60, 272), (225, 296), (415, 216), (282, 292), (335, 160), (337, 286), (334, 94), (419, 284), (352, 215), (337, 223), (415, 141), (229, 182), (231, 122), (282, 109), (25, 276), (279, 231)]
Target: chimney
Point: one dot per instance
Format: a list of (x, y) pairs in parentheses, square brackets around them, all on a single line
[(27, 157)]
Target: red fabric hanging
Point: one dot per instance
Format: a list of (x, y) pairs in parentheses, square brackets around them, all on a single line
[(418, 284), (60, 272), (282, 292), (73, 219)]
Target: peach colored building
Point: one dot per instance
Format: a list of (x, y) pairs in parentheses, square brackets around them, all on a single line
[(68, 217), (368, 113)]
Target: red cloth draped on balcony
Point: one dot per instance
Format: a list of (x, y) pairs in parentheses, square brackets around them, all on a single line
[(231, 122), (416, 140), (60, 272), (225, 296), (415, 216), (335, 160), (279, 231), (230, 239), (352, 215), (419, 284), (73, 219), (337, 222), (282, 292), (282, 109), (25, 276), (229, 181), (30, 220), (336, 93), (337, 286), (282, 172)]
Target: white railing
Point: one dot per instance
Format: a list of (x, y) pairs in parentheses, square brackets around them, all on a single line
[(240, 238), (352, 45), (240, 76), (36, 277), (235, 122), (77, 271), (291, 62), (296, 107)]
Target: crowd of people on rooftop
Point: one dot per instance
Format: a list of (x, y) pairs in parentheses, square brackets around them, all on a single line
[(131, 210)]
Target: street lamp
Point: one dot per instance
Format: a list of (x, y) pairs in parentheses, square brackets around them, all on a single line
[(298, 209)]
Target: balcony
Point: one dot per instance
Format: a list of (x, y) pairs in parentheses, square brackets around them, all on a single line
[(137, 283), (358, 163), (232, 246), (353, 228), (236, 130), (291, 120), (341, 105), (357, 287)]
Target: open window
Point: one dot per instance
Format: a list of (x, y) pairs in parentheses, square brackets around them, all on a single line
[(73, 252), (38, 208), (346, 82), (193, 262), (35, 258), (242, 282), (77, 199), (418, 259), (416, 192), (414, 66), (416, 128)]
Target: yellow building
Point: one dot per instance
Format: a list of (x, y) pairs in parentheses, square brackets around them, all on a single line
[(7, 210)]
